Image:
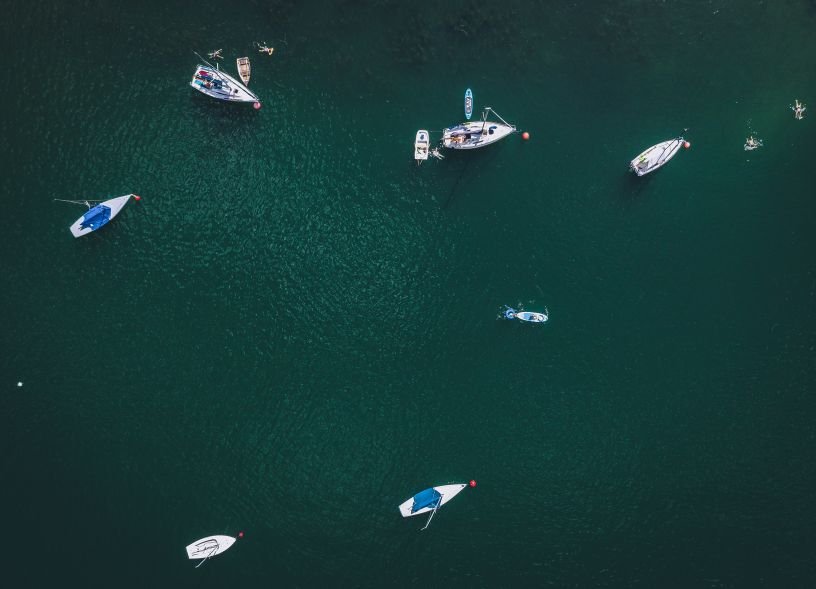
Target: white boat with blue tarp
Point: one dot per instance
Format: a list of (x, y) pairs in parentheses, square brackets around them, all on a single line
[(430, 500), (528, 316), (476, 134), (100, 215)]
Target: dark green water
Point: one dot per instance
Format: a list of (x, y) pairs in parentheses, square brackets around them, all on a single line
[(296, 329)]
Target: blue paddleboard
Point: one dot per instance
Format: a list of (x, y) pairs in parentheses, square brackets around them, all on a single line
[(468, 104)]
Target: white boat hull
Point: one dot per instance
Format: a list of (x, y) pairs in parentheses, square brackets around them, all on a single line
[(475, 134), (115, 205), (655, 157), (421, 145), (220, 85), (532, 317), (209, 546), (447, 492)]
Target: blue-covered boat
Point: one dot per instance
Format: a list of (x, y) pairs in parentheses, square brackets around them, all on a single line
[(528, 316), (99, 216), (430, 500)]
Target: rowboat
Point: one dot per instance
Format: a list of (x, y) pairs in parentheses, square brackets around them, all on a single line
[(217, 84), (657, 156), (99, 216), (430, 500), (421, 145), (243, 69), (529, 316), (468, 104), (208, 547), (476, 134)]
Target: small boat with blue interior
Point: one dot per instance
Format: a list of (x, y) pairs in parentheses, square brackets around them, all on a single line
[(476, 134), (215, 83), (657, 156), (207, 547), (98, 216), (528, 316), (430, 500), (421, 146)]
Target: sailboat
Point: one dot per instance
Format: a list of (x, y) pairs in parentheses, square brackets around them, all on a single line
[(430, 500), (213, 82), (657, 156), (207, 547), (98, 216), (476, 134)]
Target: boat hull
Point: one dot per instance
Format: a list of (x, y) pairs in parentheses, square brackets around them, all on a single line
[(220, 85), (421, 145), (655, 157), (476, 134), (244, 70), (114, 205), (447, 492), (532, 317), (209, 546)]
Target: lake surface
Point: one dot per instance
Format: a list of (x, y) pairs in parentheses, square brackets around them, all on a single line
[(296, 329)]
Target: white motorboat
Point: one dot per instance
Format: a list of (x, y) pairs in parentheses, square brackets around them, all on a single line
[(529, 316), (476, 134), (657, 156), (421, 145), (217, 84), (430, 500), (208, 547), (100, 215)]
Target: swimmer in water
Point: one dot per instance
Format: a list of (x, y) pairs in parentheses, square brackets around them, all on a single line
[(264, 48), (798, 110), (215, 54), (751, 143)]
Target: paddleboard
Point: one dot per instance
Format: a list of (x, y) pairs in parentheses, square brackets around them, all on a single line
[(468, 104)]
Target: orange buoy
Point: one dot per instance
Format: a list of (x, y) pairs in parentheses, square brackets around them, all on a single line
[(257, 106), (137, 197), (686, 144), (472, 483), (525, 135)]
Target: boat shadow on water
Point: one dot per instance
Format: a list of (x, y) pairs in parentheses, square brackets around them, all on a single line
[(210, 110)]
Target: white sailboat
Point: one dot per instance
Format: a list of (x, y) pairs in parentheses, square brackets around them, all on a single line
[(217, 84), (657, 156), (430, 500), (100, 215), (476, 134), (207, 547)]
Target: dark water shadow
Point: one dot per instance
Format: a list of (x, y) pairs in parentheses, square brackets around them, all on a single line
[(484, 159)]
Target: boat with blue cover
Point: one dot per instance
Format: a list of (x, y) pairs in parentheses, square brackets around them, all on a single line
[(100, 215), (429, 500), (528, 316)]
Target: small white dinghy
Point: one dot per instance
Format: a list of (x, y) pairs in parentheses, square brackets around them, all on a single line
[(100, 215), (243, 69), (210, 546), (476, 134), (421, 146), (430, 500), (657, 156), (529, 316)]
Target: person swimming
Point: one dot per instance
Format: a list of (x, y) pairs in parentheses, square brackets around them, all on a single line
[(752, 143), (215, 54), (264, 48), (798, 109)]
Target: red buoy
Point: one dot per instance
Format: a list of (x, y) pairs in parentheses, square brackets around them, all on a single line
[(472, 483), (686, 144), (137, 197), (257, 106), (240, 534), (525, 135)]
